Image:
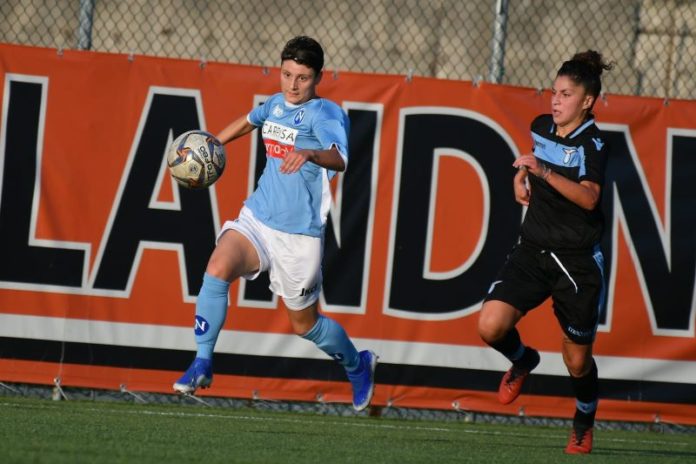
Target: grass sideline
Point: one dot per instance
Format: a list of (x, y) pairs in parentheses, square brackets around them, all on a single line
[(39, 430)]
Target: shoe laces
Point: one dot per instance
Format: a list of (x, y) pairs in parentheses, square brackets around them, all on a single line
[(515, 373), (579, 436)]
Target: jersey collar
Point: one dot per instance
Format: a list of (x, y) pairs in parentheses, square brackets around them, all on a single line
[(577, 130)]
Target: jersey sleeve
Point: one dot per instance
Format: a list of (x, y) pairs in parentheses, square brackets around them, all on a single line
[(596, 152), (539, 125), (259, 114), (331, 129)]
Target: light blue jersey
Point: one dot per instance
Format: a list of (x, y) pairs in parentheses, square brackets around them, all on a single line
[(296, 203)]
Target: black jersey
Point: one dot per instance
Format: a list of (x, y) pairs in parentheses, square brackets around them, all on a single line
[(553, 222)]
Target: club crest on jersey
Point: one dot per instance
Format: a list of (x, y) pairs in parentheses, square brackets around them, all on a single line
[(569, 152), (201, 326), (299, 116), (277, 111)]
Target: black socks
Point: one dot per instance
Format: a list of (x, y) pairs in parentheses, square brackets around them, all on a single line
[(587, 394), (512, 348)]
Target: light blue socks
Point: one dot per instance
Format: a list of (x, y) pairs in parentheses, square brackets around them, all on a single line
[(211, 310), (330, 337)]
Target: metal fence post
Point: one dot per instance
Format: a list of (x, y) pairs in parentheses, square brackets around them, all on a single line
[(84, 36), (497, 66)]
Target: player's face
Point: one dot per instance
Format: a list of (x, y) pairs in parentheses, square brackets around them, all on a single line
[(569, 103), (298, 82)]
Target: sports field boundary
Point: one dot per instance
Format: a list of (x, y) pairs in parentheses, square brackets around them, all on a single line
[(62, 393)]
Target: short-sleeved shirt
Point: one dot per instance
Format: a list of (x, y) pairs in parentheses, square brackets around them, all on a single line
[(552, 221), (296, 203)]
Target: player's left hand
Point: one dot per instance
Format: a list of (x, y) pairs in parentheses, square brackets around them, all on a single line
[(530, 162), (293, 161)]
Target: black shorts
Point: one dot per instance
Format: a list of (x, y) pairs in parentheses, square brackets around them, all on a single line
[(575, 282)]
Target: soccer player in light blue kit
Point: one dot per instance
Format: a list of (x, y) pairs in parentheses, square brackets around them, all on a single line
[(280, 228)]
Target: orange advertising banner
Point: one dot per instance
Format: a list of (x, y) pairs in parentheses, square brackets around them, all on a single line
[(103, 254)]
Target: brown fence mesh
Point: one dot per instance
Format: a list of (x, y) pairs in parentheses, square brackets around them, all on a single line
[(517, 42)]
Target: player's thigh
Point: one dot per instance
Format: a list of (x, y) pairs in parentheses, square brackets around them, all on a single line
[(520, 286), (496, 319), (296, 271), (578, 298), (523, 282), (233, 256)]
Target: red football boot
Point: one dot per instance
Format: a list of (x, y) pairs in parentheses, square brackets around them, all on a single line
[(511, 385), (580, 442)]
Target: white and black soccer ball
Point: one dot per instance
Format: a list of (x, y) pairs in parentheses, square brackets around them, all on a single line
[(196, 159)]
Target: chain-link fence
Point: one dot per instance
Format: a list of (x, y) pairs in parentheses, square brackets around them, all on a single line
[(517, 42)]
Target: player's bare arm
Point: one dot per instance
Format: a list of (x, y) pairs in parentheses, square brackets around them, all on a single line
[(235, 129), (584, 194), (520, 187), (329, 159)]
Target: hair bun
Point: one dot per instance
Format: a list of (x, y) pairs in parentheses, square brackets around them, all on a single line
[(594, 60)]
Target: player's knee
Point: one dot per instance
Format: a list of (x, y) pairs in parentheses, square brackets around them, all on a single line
[(301, 328), (217, 269), (302, 320), (578, 365), (489, 328), (225, 267)]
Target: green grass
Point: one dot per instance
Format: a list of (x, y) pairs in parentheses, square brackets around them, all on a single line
[(36, 430)]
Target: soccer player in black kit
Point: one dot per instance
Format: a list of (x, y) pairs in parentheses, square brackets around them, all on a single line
[(558, 253)]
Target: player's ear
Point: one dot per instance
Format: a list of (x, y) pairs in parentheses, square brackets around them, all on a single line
[(587, 102), (317, 78)]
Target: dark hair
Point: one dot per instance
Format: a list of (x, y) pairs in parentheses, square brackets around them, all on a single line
[(585, 68), (304, 50)]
